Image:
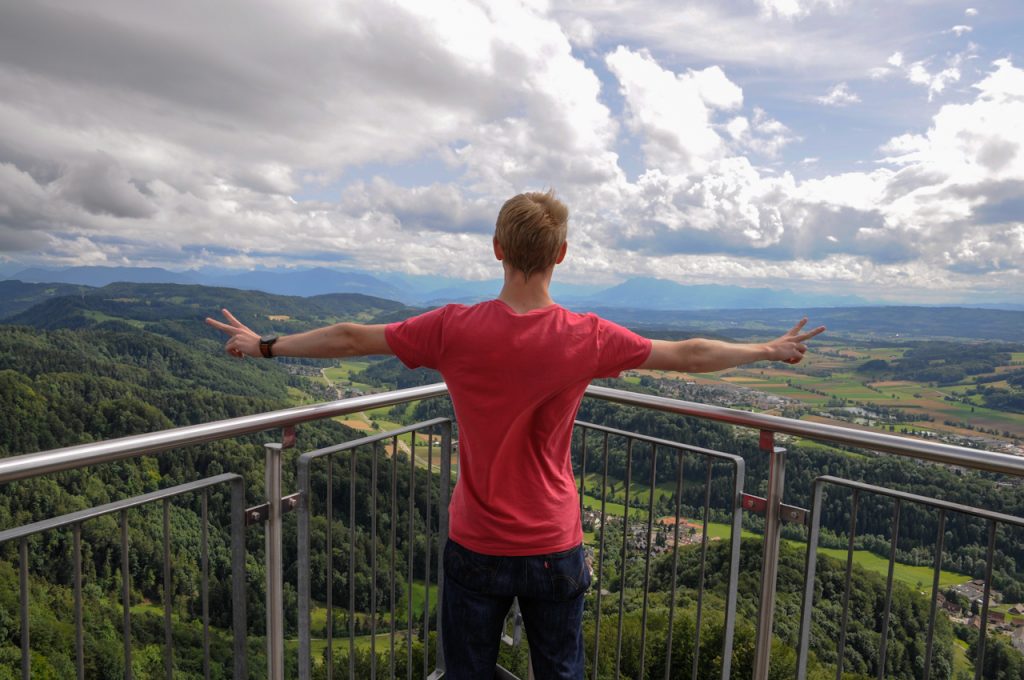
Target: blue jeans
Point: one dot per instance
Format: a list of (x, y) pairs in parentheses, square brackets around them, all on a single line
[(478, 592)]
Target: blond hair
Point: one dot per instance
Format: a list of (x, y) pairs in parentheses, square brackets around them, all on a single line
[(531, 229)]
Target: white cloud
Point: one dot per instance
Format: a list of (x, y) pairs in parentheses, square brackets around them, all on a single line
[(674, 113), (960, 29), (775, 37), (765, 135), (581, 32), (794, 9), (180, 135), (840, 95), (918, 74), (971, 12)]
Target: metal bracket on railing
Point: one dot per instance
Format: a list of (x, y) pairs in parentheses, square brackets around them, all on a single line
[(791, 513), (755, 503), (787, 513), (261, 513)]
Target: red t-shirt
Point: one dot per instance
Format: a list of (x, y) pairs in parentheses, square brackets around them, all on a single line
[(516, 381)]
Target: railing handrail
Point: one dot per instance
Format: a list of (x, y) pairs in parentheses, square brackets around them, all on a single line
[(82, 455), (55, 460), (948, 454)]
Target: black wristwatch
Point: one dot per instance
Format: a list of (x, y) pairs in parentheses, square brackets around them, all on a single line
[(267, 345)]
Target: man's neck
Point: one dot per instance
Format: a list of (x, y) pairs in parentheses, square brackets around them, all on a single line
[(524, 295)]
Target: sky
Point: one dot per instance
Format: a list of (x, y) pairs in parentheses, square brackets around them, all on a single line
[(862, 147)]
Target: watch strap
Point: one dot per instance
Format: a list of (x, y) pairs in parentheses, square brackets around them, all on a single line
[(267, 346)]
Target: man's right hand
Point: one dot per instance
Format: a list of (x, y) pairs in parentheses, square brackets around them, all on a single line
[(242, 340)]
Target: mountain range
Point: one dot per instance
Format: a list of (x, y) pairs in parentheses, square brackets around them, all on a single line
[(642, 293), (178, 309)]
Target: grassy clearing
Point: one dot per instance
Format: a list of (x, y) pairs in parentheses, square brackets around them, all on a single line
[(904, 573), (911, 576), (341, 645), (961, 664), (100, 317), (346, 368), (818, 446), (614, 509)]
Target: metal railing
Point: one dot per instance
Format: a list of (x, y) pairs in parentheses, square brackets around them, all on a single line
[(33, 465)]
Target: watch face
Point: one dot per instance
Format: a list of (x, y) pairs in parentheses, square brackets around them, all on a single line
[(268, 339)]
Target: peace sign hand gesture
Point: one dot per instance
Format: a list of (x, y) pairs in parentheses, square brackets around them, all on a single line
[(790, 347), (243, 341)]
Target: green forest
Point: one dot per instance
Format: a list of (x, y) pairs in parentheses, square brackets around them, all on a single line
[(133, 358)]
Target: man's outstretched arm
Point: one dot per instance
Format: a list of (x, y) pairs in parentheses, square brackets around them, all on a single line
[(329, 342), (699, 355)]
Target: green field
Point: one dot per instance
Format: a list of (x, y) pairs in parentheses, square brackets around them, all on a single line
[(904, 573), (911, 576), (614, 509), (834, 376), (961, 664)]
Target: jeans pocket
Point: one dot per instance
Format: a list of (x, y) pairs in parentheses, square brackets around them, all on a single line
[(568, 574), (470, 569)]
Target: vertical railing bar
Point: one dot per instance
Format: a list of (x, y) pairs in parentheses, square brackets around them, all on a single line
[(26, 651), (79, 623), (442, 532), (701, 575), (675, 564), (329, 562), (204, 578), (989, 554), (168, 631), (883, 647), (238, 580), (770, 557), (410, 558), (352, 566), (622, 569), (274, 559), (126, 597), (808, 598), (601, 555), (736, 532), (305, 568), (426, 559), (647, 559), (841, 648), (583, 467), (939, 546), (373, 563), (392, 540)]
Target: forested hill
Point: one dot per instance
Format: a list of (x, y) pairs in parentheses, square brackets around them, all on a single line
[(131, 359), (143, 352), (144, 305), (16, 296)]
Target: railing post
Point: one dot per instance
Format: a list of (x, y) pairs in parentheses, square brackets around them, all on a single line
[(770, 559), (275, 566), (448, 447)]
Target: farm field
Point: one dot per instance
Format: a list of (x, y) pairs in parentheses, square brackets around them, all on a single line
[(827, 382)]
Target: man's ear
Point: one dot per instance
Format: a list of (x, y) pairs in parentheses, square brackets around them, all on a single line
[(561, 252), (499, 252)]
